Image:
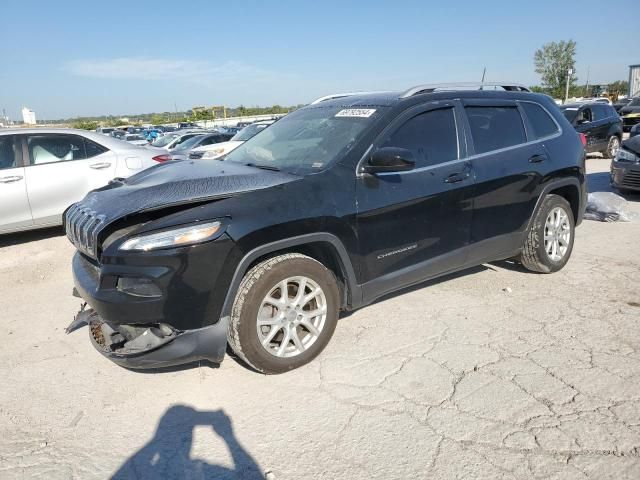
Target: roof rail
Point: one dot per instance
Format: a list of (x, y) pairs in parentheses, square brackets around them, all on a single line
[(430, 88), (338, 95)]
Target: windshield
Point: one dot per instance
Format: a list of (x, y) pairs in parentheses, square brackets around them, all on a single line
[(249, 131), (192, 142), (570, 113), (164, 140), (134, 137), (307, 140)]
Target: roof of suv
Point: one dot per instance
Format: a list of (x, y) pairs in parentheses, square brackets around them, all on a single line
[(390, 98)]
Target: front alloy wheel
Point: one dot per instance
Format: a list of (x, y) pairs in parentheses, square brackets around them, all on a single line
[(284, 314), (292, 317)]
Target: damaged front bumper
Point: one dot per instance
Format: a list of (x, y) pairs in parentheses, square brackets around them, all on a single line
[(153, 345)]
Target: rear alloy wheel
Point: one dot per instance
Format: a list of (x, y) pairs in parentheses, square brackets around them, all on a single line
[(284, 314), (550, 240), (612, 147)]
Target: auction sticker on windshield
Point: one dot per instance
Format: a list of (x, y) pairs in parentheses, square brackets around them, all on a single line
[(356, 112)]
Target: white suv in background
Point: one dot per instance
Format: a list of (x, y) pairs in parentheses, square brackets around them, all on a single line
[(43, 171), (217, 150)]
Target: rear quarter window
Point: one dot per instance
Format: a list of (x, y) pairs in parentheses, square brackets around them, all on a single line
[(493, 128), (541, 122)]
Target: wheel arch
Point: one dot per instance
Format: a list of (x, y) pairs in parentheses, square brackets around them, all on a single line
[(321, 246), (569, 189)]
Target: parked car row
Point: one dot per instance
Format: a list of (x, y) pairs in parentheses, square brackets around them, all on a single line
[(43, 171)]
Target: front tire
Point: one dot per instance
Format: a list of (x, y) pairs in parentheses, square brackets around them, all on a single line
[(612, 147), (550, 240), (284, 314)]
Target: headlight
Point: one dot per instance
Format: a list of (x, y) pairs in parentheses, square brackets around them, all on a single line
[(215, 153), (626, 156), (177, 237)]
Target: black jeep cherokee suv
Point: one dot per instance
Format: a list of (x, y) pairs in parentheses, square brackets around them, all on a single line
[(335, 205)]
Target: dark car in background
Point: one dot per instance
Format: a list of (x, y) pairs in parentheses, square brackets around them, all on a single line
[(630, 114), (339, 203), (625, 167), (600, 124), (620, 103)]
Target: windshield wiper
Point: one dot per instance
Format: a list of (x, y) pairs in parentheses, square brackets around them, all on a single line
[(263, 167)]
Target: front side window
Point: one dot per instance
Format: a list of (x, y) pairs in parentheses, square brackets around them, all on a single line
[(493, 128), (307, 140), (431, 136), (51, 148), (541, 122), (8, 149)]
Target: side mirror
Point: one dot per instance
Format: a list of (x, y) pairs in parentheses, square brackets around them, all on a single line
[(390, 159)]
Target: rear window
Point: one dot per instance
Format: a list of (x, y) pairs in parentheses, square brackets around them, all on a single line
[(493, 128), (541, 122)]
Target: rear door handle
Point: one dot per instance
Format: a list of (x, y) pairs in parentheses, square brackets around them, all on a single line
[(456, 177), (14, 178), (537, 158), (100, 166)]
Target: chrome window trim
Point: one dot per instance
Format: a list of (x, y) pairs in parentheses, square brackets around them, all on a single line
[(468, 158)]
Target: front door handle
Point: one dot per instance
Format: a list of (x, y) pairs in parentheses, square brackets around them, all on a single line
[(100, 166), (456, 177), (537, 158), (14, 178)]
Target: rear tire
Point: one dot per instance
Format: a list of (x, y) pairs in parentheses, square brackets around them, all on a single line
[(284, 314), (550, 240)]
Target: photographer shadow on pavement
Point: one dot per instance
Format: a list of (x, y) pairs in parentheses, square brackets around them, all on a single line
[(167, 454)]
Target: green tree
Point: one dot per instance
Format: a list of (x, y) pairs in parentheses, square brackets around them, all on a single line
[(85, 125), (157, 119), (552, 63)]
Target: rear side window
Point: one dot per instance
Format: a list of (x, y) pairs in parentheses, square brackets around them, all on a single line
[(93, 149), (211, 140), (431, 136), (541, 122), (493, 128), (7, 151)]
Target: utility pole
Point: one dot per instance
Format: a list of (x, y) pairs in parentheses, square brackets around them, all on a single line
[(566, 92), (482, 81), (586, 92)]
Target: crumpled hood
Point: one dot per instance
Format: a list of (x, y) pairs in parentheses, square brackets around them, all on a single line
[(179, 182)]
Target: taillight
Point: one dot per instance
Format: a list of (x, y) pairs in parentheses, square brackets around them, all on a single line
[(583, 139), (162, 158)]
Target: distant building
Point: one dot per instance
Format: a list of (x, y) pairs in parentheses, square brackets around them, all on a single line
[(28, 116), (634, 80)]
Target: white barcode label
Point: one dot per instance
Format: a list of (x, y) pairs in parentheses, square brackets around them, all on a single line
[(356, 112)]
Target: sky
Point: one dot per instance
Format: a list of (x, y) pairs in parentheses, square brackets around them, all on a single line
[(79, 58)]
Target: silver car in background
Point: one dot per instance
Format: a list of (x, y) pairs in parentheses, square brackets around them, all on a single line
[(43, 171)]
